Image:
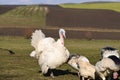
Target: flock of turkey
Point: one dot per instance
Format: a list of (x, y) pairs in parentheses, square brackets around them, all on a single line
[(51, 54)]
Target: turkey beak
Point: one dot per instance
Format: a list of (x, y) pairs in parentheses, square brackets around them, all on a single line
[(64, 35)]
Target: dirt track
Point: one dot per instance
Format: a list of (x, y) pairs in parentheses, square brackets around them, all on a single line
[(26, 32)]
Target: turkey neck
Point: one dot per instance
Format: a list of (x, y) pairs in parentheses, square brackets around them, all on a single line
[(61, 38)]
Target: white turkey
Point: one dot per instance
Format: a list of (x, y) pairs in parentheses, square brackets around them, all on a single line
[(50, 53), (109, 63), (84, 68)]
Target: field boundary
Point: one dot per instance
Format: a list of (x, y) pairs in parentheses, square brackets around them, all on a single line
[(75, 34)]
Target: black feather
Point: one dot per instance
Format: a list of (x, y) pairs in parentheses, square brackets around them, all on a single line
[(115, 59), (107, 48), (73, 55)]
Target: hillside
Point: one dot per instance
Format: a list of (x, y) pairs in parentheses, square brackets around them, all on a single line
[(22, 20), (95, 5), (32, 15), (5, 8), (83, 18), (54, 16)]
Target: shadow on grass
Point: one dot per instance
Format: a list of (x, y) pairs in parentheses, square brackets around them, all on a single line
[(58, 72), (10, 51)]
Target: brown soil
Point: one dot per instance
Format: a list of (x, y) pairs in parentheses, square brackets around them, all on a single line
[(92, 18), (72, 18), (26, 32), (5, 8)]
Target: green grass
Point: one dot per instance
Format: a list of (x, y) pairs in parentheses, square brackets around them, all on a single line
[(21, 66), (28, 16), (108, 6)]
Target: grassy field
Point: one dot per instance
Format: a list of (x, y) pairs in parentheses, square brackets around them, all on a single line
[(22, 67), (108, 6), (24, 16)]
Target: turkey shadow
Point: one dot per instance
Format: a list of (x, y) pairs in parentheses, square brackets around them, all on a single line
[(58, 72)]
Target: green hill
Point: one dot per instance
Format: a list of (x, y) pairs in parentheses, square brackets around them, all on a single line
[(38, 16), (110, 6), (32, 15)]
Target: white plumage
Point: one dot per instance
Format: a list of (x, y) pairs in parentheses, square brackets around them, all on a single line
[(50, 53), (83, 66), (40, 42), (110, 63), (73, 60), (109, 51), (105, 67)]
